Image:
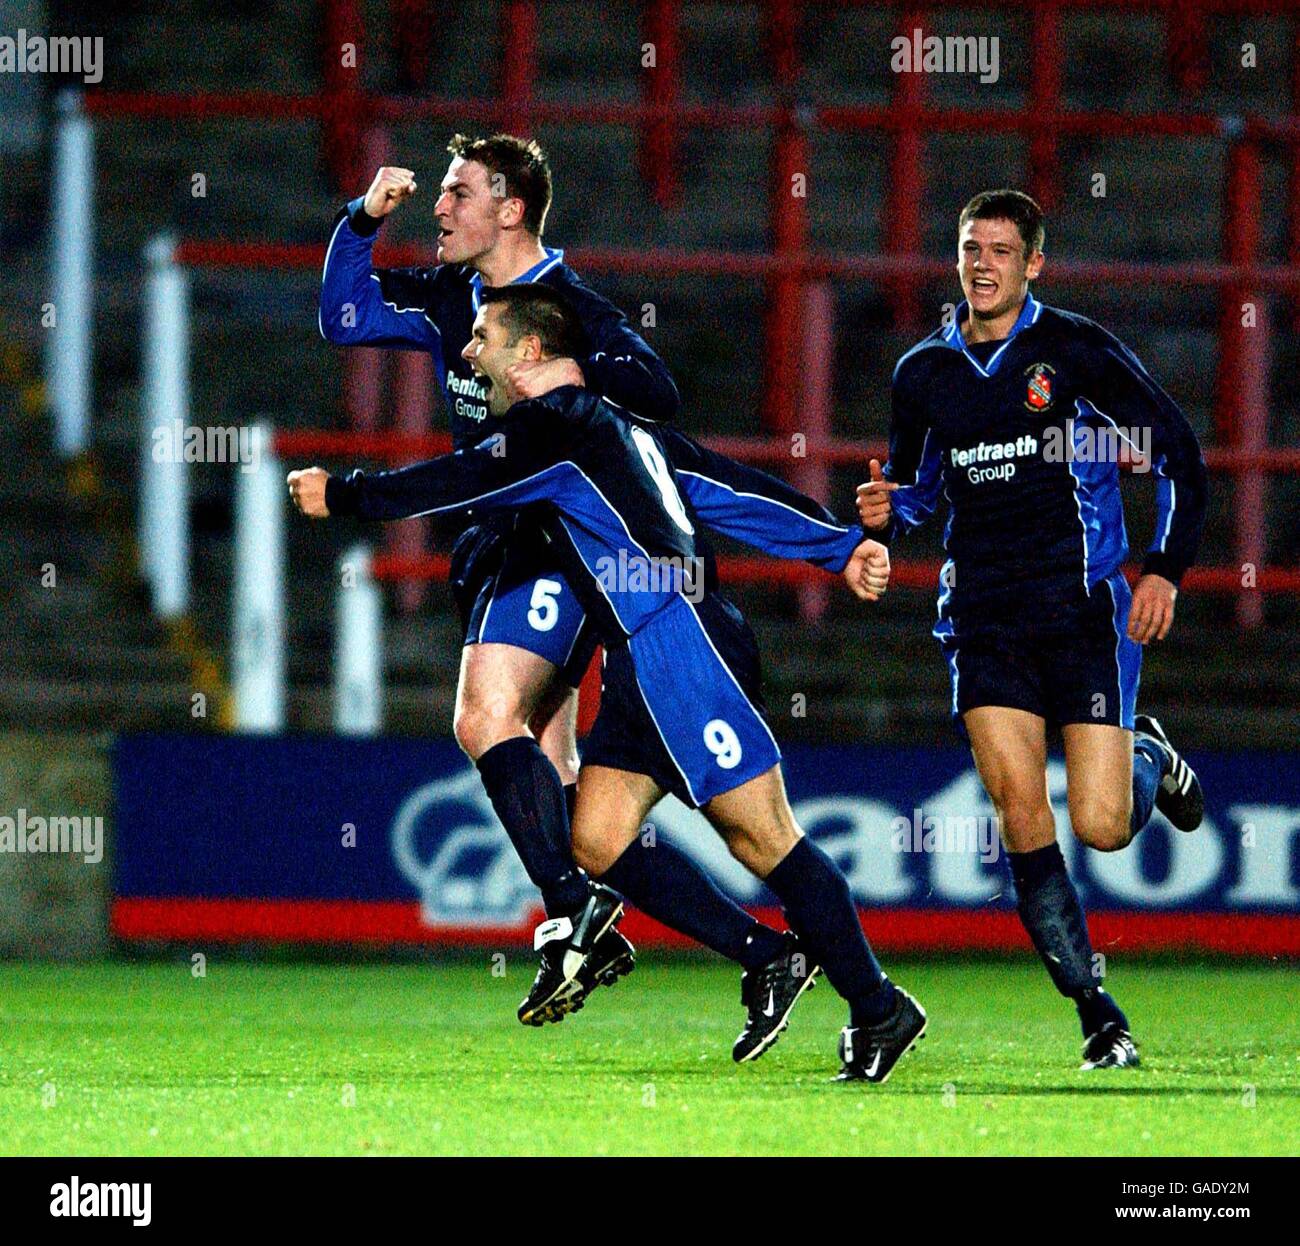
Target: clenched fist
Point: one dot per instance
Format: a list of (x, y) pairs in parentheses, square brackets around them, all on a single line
[(873, 499), (388, 189), (307, 489), (867, 573)]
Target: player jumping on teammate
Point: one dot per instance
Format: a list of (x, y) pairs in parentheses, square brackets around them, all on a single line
[(681, 710)]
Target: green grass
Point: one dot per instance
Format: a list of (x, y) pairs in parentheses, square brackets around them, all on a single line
[(267, 1059)]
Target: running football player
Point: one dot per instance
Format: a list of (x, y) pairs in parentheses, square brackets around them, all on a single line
[(1013, 411)]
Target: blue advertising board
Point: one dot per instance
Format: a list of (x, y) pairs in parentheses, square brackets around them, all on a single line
[(326, 840)]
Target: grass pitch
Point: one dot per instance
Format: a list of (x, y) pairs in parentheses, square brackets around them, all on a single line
[(126, 1059)]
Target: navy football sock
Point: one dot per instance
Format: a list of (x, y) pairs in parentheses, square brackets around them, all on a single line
[(1096, 1008), (1149, 763), (1050, 910), (668, 886), (570, 799), (525, 790), (820, 909)]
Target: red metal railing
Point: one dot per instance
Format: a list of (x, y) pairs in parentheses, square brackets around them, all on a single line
[(1241, 393), (1246, 455), (398, 448), (305, 445), (916, 573)]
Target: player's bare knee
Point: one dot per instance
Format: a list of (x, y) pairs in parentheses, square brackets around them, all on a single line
[(740, 843), (481, 723), (760, 849), (467, 727), (1102, 825)]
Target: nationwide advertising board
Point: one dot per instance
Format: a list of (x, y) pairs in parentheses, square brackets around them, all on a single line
[(387, 842)]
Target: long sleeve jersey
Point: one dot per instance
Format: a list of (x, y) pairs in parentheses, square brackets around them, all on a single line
[(433, 309), (622, 501), (1022, 437)]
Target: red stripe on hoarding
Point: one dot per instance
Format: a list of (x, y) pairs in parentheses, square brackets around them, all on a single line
[(297, 921), (891, 930)]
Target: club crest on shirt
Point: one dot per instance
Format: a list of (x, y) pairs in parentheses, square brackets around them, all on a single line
[(1039, 391)]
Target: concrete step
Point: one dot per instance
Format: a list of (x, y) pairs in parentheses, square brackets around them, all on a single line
[(107, 705), (78, 658)]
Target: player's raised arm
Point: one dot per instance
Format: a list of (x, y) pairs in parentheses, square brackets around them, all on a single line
[(361, 305), (754, 507)]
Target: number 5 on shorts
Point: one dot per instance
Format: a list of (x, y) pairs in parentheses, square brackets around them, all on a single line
[(545, 610)]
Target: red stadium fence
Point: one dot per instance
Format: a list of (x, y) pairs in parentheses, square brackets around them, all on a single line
[(354, 140), (164, 540)]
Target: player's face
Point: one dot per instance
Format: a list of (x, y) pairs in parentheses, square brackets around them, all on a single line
[(995, 272), (467, 213), (490, 352)]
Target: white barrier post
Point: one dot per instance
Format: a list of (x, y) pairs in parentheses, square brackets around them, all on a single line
[(164, 477), (257, 617), (72, 264), (358, 648)]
